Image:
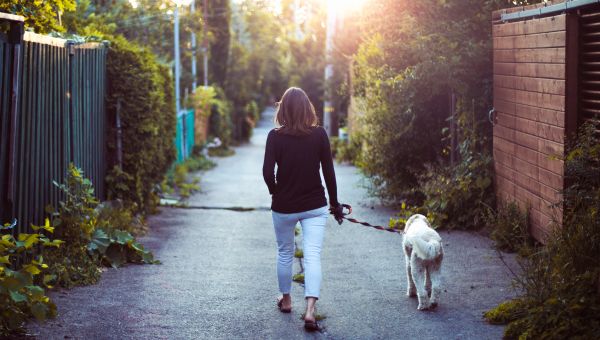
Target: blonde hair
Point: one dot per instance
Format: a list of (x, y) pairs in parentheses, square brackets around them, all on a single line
[(295, 113)]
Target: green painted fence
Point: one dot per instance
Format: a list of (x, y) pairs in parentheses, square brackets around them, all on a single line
[(58, 117), (184, 137)]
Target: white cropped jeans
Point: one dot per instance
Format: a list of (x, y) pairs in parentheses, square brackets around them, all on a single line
[(313, 228)]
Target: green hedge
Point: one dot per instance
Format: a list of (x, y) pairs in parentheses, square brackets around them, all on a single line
[(142, 89)]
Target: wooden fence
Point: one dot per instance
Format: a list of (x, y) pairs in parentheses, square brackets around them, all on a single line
[(546, 84), (51, 114)]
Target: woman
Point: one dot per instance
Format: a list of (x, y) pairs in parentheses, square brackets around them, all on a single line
[(298, 147)]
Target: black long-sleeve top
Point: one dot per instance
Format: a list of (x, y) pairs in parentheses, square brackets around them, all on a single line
[(297, 186)]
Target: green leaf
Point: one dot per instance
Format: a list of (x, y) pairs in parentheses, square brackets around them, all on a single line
[(28, 240), (5, 259), (32, 269), (39, 311), (48, 279), (53, 243), (123, 237), (100, 242), (36, 292), (12, 283), (17, 297), (116, 255)]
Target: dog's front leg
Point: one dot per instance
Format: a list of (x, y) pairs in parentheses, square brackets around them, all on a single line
[(418, 275), (411, 290)]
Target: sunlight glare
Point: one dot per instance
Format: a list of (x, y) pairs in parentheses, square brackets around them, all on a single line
[(341, 6)]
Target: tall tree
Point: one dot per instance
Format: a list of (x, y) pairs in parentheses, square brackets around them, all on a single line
[(218, 22), (42, 16)]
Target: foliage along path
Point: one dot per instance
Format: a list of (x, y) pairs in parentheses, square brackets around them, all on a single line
[(217, 277)]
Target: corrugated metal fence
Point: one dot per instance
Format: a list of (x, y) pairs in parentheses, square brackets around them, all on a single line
[(184, 137), (58, 117)]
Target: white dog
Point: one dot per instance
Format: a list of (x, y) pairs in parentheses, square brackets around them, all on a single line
[(423, 252)]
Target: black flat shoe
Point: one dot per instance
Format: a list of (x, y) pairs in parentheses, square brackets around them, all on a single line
[(311, 326), (280, 306)]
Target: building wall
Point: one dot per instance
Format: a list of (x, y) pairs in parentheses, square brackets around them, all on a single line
[(530, 102)]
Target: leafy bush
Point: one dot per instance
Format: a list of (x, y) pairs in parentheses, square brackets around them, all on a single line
[(561, 281), (220, 123), (20, 269), (399, 221), (509, 227), (414, 55), (121, 215), (39, 15), (221, 151), (141, 89), (117, 247), (346, 150), (178, 179), (89, 232), (456, 196)]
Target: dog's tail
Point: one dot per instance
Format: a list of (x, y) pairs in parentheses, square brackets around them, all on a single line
[(426, 250)]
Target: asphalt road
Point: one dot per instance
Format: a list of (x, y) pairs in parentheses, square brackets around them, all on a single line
[(217, 278)]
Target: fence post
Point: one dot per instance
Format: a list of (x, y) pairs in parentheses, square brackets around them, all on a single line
[(71, 50), (15, 37)]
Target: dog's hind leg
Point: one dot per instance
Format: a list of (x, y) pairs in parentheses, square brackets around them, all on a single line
[(411, 290), (436, 283), (418, 275), (428, 281)]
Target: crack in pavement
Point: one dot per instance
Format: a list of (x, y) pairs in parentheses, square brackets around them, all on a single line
[(207, 207)]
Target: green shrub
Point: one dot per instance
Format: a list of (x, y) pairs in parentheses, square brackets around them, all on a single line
[(178, 178), (561, 281), (457, 196), (141, 89), (220, 123), (509, 227), (21, 269), (413, 57), (121, 215), (90, 232), (346, 150), (221, 151), (399, 221)]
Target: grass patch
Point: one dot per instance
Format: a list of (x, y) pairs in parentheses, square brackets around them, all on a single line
[(509, 227), (299, 254), (221, 151)]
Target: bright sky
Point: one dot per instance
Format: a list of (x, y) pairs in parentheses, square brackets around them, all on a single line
[(341, 6)]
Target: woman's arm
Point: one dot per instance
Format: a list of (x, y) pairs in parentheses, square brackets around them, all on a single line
[(328, 171), (269, 163)]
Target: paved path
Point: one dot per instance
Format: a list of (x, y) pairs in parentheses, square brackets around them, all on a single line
[(218, 277)]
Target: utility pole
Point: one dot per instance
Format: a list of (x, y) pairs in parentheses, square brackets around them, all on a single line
[(205, 41), (194, 82), (177, 59), (328, 105)]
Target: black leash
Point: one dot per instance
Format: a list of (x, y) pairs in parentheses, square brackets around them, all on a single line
[(366, 224)]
